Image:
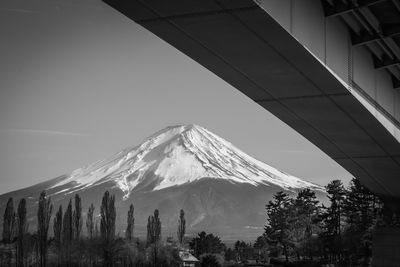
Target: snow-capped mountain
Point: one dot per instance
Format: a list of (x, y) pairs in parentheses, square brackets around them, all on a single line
[(221, 188), (178, 155)]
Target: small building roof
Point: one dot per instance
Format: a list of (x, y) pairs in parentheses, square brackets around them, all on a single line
[(187, 257)]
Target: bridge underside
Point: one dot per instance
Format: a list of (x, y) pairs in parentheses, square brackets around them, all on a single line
[(246, 47)]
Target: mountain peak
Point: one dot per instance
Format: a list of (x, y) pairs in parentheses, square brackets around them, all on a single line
[(182, 128), (177, 155)]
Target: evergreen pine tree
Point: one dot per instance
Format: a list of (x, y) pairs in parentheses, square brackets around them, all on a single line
[(361, 209), (278, 228), (306, 213), (333, 220), (206, 243)]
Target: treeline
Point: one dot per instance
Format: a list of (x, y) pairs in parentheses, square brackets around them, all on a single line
[(68, 247), (300, 229)]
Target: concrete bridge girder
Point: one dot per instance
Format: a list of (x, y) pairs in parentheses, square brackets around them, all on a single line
[(297, 64)]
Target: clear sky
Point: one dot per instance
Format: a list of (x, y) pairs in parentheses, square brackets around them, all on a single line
[(79, 82)]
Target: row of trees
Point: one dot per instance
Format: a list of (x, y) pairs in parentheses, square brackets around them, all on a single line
[(298, 228), (302, 228), (15, 227), (68, 244)]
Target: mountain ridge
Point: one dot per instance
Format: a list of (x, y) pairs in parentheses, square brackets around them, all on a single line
[(179, 154)]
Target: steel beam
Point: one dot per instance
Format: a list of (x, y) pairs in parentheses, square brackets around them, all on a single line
[(340, 8), (385, 62), (387, 30)]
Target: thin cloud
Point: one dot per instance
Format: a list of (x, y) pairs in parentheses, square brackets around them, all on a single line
[(45, 132), (18, 10)]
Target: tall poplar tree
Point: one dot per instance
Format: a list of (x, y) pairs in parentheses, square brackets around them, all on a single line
[(57, 226), (8, 221), (22, 229), (181, 227), (67, 225), (130, 223), (67, 231), (107, 226), (96, 229), (157, 226), (44, 215), (154, 234), (77, 217), (153, 228), (57, 229), (90, 221), (150, 230)]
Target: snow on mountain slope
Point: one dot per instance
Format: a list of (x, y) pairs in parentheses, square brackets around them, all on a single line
[(178, 155)]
